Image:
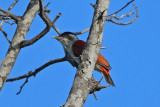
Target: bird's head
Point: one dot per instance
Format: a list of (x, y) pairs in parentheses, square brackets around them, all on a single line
[(66, 38)]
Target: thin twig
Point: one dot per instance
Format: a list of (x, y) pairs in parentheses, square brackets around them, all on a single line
[(5, 34), (93, 5), (26, 81), (111, 20), (95, 95), (13, 4), (121, 8), (3, 20), (8, 22), (30, 73), (122, 16), (47, 5), (8, 14), (81, 32), (95, 87), (55, 19), (99, 81), (103, 47), (78, 33), (54, 27), (49, 24), (40, 35)]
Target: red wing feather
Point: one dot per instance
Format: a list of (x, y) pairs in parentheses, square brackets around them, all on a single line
[(78, 47)]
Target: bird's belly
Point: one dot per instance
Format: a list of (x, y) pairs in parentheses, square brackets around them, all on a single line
[(71, 58)]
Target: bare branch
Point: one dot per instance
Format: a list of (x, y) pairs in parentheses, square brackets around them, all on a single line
[(13, 4), (95, 95), (35, 39), (122, 16), (49, 24), (4, 19), (81, 32), (30, 73), (121, 8), (103, 47), (118, 18), (8, 14), (5, 34), (26, 81), (45, 8), (40, 35), (55, 19), (47, 5), (78, 33), (34, 73), (93, 5), (96, 86), (54, 27), (99, 87)]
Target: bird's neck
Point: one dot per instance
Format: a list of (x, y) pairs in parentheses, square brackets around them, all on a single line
[(74, 61)]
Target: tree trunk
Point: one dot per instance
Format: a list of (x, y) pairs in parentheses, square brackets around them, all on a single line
[(23, 26), (82, 82)]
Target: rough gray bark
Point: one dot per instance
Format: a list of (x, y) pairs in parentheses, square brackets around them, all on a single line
[(82, 82), (23, 26)]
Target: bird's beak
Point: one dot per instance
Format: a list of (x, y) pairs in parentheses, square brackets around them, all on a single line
[(56, 37)]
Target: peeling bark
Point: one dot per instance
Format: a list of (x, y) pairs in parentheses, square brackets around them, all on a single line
[(81, 86), (23, 26)]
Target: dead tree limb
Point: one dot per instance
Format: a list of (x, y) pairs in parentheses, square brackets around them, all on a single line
[(30, 73), (34, 73), (8, 14), (5, 34), (121, 8), (81, 32), (122, 16), (4, 20), (49, 24)]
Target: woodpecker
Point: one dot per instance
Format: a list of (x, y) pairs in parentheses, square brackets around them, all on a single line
[(73, 48)]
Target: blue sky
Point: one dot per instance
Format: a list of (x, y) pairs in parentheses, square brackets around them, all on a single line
[(133, 52)]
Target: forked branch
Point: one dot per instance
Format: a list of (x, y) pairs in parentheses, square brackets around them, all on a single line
[(30, 73), (34, 73), (49, 24), (121, 8), (8, 14), (113, 16), (3, 19)]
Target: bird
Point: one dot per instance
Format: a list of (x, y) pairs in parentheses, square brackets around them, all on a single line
[(73, 48)]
